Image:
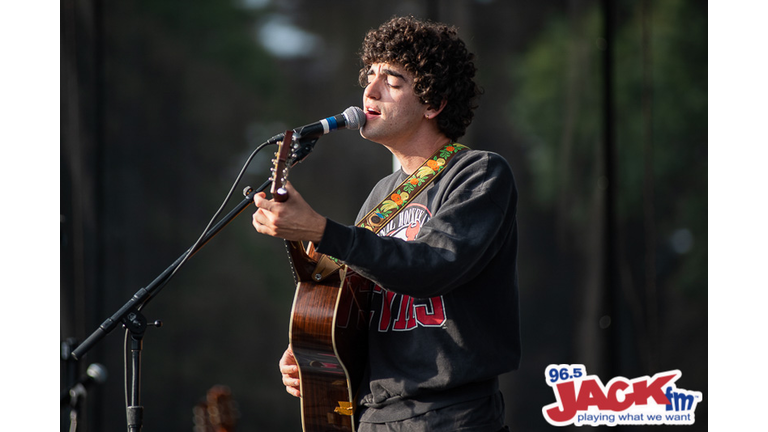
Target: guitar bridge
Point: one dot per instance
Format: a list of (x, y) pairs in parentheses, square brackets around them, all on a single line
[(344, 408)]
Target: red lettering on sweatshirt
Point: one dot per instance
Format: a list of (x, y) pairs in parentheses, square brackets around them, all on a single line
[(401, 312)]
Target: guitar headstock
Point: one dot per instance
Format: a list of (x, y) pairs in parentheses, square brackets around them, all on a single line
[(281, 167)]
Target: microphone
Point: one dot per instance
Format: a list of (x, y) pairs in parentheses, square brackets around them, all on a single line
[(95, 374), (352, 118)]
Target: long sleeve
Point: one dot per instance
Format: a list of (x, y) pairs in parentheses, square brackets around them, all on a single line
[(474, 209)]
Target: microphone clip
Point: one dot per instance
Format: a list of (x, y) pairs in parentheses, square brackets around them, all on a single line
[(302, 147)]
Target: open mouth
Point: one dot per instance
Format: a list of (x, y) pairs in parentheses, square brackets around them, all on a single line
[(372, 111)]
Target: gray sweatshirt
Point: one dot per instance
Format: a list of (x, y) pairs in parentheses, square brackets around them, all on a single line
[(444, 314)]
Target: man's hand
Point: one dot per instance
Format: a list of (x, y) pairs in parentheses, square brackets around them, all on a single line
[(292, 219), (290, 372)]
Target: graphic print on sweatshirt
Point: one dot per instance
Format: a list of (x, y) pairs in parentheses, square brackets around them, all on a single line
[(399, 312)]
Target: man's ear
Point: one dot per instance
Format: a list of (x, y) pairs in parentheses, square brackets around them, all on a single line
[(432, 113)]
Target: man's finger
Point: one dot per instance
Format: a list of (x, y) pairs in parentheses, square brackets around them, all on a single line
[(261, 201)]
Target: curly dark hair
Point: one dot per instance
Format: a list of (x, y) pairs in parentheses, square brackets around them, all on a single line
[(440, 62)]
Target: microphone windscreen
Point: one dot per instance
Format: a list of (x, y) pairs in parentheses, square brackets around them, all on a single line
[(355, 117)]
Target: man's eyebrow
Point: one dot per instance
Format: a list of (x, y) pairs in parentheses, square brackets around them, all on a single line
[(393, 73), (387, 71)]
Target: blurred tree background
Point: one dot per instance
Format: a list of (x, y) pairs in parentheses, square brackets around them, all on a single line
[(599, 106)]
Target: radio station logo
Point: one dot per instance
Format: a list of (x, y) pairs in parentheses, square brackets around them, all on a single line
[(583, 400)]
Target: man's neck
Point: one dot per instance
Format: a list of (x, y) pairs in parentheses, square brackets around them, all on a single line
[(413, 155)]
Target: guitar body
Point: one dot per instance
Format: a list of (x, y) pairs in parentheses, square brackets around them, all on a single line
[(328, 337)]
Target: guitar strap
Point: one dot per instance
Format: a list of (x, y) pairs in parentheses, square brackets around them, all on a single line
[(396, 201)]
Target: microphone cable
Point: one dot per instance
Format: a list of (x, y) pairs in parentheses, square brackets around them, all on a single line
[(188, 254)]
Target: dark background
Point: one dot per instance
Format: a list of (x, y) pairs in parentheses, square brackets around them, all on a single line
[(599, 106)]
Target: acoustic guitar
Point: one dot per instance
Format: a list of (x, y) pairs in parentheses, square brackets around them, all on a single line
[(329, 322)]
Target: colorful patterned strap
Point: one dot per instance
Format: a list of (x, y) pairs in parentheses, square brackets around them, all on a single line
[(377, 218)]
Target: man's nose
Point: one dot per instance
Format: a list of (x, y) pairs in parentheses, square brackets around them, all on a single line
[(372, 90)]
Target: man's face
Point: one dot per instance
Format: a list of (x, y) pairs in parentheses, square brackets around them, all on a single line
[(393, 112)]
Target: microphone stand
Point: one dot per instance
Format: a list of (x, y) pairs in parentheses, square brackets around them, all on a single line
[(73, 401), (133, 320), (130, 313)]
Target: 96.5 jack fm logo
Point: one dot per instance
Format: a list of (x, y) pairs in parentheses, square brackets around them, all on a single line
[(583, 400)]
